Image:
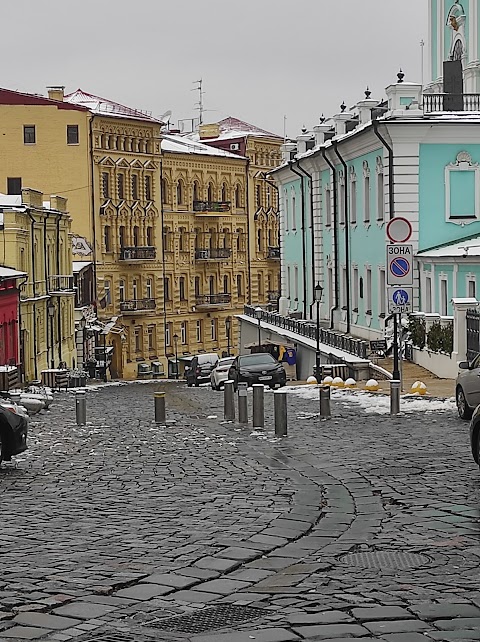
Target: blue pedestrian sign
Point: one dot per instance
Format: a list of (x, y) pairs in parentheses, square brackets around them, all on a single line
[(400, 300), (399, 264)]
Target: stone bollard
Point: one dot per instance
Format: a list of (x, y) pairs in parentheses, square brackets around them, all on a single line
[(160, 409), (325, 405), (81, 406), (242, 403), (280, 411), (229, 401), (258, 405)]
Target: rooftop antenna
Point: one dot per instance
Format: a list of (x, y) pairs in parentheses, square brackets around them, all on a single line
[(422, 49), (199, 105), (284, 129)]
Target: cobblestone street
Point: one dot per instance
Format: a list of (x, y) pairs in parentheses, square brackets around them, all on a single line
[(361, 527)]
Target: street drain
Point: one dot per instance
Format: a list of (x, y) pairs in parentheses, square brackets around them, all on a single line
[(395, 471), (209, 619), (385, 560)]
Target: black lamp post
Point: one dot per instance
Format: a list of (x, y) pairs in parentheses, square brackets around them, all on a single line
[(228, 326), (175, 341), (318, 292), (258, 314), (51, 313)]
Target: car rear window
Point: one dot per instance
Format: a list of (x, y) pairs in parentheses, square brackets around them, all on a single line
[(256, 359), (207, 358)]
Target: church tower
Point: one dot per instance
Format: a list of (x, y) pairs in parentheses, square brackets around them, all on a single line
[(454, 38)]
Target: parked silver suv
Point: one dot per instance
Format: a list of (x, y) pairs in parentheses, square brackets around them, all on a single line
[(468, 387)]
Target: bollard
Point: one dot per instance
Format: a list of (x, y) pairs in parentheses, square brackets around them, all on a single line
[(280, 411), (229, 401), (325, 405), (258, 405), (394, 397), (242, 403), (160, 411), (81, 406)]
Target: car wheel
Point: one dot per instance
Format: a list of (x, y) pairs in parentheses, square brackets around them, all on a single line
[(464, 410), (189, 384), (197, 383), (476, 447)]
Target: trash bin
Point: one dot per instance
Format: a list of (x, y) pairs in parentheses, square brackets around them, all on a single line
[(144, 371), (157, 369)]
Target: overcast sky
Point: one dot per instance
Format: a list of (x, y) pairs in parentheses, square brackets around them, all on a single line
[(259, 59)]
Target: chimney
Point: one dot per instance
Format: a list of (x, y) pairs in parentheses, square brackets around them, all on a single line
[(288, 151), (56, 93), (320, 131), (365, 108), (209, 131), (341, 120)]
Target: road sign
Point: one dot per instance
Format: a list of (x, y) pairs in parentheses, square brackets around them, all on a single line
[(400, 300), (399, 230), (400, 264), (378, 346)]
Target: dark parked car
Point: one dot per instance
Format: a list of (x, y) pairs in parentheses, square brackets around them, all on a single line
[(13, 432), (200, 368), (257, 368), (468, 387), (475, 435)]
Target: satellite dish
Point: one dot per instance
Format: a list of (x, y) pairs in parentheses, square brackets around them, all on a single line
[(166, 116)]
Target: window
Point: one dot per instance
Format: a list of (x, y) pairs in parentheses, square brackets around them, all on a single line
[(151, 338), (29, 136), (196, 191), (136, 236), (72, 135), (211, 285), (135, 289), (121, 290), (260, 240), (355, 289), (226, 284), (366, 213), (107, 286), (238, 196), (287, 212), (380, 198), (121, 236), (443, 297), (260, 284), (163, 187), (342, 200), (213, 326), (239, 240), (294, 212), (224, 193), (353, 202), (197, 286), (328, 207), (180, 193), (382, 293), (181, 239), (14, 186), (168, 334), (166, 239), (148, 188), (226, 238), (369, 291), (428, 294), (472, 289), (295, 284), (138, 338), (330, 286), (183, 332), (150, 241), (289, 282), (239, 286), (135, 187), (344, 289), (107, 232), (106, 185), (199, 331), (210, 193), (121, 186), (166, 288), (181, 288), (258, 195), (149, 288)]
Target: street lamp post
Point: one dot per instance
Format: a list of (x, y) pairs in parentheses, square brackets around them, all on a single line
[(51, 313), (228, 326), (318, 292), (258, 314), (175, 341)]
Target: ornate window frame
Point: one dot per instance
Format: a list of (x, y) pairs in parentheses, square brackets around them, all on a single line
[(463, 163)]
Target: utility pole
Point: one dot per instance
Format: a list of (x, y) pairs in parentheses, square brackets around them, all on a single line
[(422, 48)]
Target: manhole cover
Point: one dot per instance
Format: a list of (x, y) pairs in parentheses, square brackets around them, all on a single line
[(209, 619), (395, 471), (385, 560)]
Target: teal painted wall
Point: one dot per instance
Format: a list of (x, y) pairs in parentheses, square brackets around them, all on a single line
[(435, 35), (434, 229)]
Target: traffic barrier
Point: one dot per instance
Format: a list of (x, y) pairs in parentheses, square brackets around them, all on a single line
[(258, 405), (160, 409), (229, 401), (81, 406), (280, 412)]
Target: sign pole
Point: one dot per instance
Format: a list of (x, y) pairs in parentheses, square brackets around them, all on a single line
[(395, 382)]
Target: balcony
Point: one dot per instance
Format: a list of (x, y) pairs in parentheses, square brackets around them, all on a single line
[(211, 300), (211, 208), (139, 305), (274, 253), (450, 102), (213, 254), (61, 283), (138, 254)]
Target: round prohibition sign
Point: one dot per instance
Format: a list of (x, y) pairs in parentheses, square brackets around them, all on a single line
[(399, 230), (400, 267)]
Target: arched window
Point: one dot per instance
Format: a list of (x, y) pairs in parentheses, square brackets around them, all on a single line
[(239, 240), (238, 196), (196, 191), (135, 289), (260, 240), (457, 53), (121, 236), (149, 288), (270, 238), (226, 238), (164, 191), (108, 238), (150, 241), (136, 236), (135, 187), (210, 193), (211, 284), (239, 285), (224, 192), (180, 193), (226, 284), (181, 239)]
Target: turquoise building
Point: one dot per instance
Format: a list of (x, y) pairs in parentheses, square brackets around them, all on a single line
[(414, 155)]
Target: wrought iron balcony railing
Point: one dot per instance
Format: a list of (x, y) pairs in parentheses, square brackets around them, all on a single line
[(138, 305), (60, 283), (211, 206), (213, 299), (451, 102), (138, 254), (213, 253)]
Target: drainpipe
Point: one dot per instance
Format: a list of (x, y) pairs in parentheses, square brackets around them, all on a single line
[(347, 234), (310, 177), (335, 307), (304, 249), (34, 277), (94, 233), (391, 169), (46, 266), (59, 312), (162, 222), (20, 335), (249, 255)]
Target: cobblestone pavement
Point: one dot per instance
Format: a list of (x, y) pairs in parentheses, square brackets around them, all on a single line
[(361, 527)]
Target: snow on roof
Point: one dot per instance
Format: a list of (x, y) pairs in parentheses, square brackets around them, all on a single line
[(7, 200), (470, 248), (78, 266), (231, 128), (105, 107), (184, 145), (11, 97), (9, 273)]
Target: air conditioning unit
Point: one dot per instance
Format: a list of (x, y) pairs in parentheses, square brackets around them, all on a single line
[(235, 147)]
